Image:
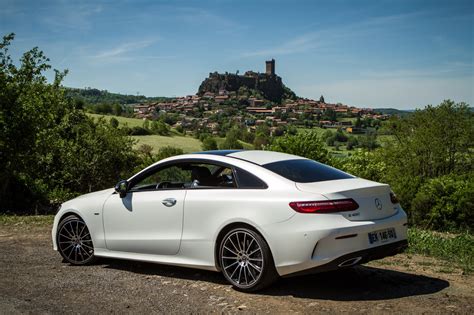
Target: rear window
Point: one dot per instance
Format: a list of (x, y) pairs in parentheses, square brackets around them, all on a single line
[(306, 171)]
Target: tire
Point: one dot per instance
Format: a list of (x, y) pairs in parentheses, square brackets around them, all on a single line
[(74, 241), (246, 260)]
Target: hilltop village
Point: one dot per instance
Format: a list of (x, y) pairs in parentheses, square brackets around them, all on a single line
[(251, 100)]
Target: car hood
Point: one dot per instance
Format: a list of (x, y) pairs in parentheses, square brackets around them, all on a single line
[(96, 194)]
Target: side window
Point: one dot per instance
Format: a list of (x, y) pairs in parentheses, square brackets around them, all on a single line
[(210, 175), (187, 175), (249, 181), (170, 177)]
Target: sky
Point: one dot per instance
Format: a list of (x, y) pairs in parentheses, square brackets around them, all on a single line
[(403, 54)]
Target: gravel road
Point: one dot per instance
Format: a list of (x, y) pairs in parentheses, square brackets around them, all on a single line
[(33, 279)]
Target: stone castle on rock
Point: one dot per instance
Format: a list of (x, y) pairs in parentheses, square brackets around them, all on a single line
[(268, 84)]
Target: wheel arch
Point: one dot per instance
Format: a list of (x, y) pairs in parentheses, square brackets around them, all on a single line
[(224, 230), (68, 213), (60, 216)]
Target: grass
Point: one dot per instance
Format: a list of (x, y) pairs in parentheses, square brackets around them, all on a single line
[(454, 248), (187, 144), (131, 122), (26, 220)]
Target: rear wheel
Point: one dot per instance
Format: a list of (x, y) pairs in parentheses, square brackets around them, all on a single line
[(74, 241), (246, 260)]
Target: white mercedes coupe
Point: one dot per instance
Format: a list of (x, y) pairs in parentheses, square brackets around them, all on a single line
[(253, 215)]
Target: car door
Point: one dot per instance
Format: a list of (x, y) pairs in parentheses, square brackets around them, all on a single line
[(149, 218)]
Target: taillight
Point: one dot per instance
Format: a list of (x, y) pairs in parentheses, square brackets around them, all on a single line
[(324, 206), (394, 198)]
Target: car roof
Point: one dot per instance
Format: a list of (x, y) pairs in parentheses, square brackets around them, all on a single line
[(254, 156)]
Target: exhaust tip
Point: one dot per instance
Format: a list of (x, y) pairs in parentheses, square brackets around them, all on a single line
[(350, 262)]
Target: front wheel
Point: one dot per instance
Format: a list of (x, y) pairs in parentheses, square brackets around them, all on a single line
[(246, 260), (74, 241)]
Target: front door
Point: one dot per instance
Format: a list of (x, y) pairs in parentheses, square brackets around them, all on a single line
[(149, 219)]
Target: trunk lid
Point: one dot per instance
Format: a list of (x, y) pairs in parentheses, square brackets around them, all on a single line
[(373, 198)]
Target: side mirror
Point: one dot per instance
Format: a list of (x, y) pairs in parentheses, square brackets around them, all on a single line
[(121, 188)]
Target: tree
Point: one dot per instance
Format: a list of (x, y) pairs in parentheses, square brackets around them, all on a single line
[(340, 136), (232, 140), (307, 144), (330, 114), (167, 151), (262, 137), (438, 139), (117, 109), (62, 152), (209, 143), (430, 144), (369, 141), (114, 122), (321, 99), (160, 128), (351, 142)]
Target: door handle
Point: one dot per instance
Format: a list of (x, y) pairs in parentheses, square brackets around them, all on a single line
[(169, 202)]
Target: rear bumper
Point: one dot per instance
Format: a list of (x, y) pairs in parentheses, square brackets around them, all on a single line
[(356, 258), (308, 241)]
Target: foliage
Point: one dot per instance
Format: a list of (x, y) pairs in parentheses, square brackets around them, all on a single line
[(209, 143), (307, 144), (368, 141), (262, 137), (232, 140), (329, 114), (458, 248), (445, 202), (429, 165), (51, 150), (352, 142), (435, 141), (137, 131), (147, 157), (160, 128), (364, 164), (95, 96), (114, 122)]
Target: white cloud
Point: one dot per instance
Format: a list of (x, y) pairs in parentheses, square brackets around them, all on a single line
[(123, 49)]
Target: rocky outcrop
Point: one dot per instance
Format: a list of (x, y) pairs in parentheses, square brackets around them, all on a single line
[(270, 86)]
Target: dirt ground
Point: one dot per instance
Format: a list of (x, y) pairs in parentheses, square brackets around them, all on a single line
[(33, 279)]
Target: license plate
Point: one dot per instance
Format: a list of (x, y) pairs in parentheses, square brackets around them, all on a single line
[(382, 236)]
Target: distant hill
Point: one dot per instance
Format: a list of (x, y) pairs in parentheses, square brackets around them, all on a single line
[(96, 96), (392, 111)]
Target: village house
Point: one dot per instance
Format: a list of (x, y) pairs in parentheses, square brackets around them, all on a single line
[(221, 98)]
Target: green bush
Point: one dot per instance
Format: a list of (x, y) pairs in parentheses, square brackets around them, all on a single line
[(232, 140), (445, 203), (139, 131), (209, 143)]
